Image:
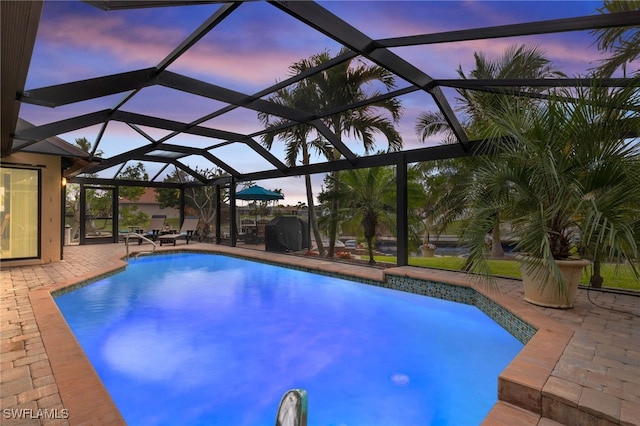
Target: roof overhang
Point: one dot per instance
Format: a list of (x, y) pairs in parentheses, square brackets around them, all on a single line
[(19, 27)]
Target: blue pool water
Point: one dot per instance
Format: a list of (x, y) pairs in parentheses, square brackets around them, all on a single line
[(196, 339)]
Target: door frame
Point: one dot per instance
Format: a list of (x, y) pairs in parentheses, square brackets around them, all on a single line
[(113, 238)]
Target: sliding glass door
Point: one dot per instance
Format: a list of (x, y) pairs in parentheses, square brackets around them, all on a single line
[(19, 218)]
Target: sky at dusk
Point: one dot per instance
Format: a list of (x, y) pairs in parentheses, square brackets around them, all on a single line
[(253, 49)]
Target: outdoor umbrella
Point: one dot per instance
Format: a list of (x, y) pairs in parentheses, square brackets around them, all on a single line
[(258, 193)]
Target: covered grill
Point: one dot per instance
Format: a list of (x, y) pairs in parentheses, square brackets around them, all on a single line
[(286, 233)]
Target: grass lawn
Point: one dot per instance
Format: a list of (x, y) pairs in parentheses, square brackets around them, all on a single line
[(615, 277)]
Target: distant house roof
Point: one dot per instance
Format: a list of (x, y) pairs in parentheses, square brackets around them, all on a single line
[(149, 197)]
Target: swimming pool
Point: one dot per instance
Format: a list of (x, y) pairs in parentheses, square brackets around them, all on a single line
[(209, 339)]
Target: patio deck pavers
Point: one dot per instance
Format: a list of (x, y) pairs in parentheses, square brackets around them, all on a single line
[(595, 379)]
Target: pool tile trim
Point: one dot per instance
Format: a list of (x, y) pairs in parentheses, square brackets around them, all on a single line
[(520, 385), (518, 328), (522, 381)]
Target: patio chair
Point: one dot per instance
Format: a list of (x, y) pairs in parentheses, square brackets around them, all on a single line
[(262, 223), (155, 226), (189, 226), (250, 236)]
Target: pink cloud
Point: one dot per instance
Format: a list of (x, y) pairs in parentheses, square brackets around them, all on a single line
[(95, 45), (215, 63), (111, 35)]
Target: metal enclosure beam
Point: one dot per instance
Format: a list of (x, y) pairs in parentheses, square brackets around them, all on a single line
[(36, 134), (77, 91), (107, 5), (218, 219), (402, 213), (212, 91), (200, 32), (232, 215), (322, 20), (269, 90), (580, 23)]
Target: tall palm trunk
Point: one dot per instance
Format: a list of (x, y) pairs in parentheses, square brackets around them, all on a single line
[(312, 209), (312, 215), (497, 251), (370, 223), (75, 206), (335, 206), (596, 279), (333, 218)]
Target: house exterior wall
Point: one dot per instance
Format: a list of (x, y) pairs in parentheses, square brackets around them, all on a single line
[(50, 195)]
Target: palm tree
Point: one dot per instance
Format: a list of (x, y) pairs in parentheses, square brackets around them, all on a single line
[(445, 183), (622, 42), (345, 84), (85, 145), (569, 172), (517, 62), (368, 196), (297, 139)]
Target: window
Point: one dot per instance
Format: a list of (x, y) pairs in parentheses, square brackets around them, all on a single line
[(19, 220)]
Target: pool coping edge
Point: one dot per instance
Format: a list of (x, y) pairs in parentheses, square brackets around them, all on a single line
[(87, 400)]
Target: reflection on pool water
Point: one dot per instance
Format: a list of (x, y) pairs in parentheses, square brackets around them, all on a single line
[(206, 339)]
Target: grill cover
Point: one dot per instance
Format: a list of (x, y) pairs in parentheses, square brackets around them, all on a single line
[(286, 233)]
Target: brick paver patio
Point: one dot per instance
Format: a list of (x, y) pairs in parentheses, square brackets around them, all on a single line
[(593, 380)]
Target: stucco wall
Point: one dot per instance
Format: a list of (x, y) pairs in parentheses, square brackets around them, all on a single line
[(50, 204)]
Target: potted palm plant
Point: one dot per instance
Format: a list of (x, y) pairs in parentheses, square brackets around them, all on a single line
[(565, 174), (428, 249)]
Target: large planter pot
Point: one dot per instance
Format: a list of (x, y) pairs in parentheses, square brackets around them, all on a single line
[(548, 293), (428, 252)]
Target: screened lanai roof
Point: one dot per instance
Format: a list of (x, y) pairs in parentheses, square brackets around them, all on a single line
[(180, 84)]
